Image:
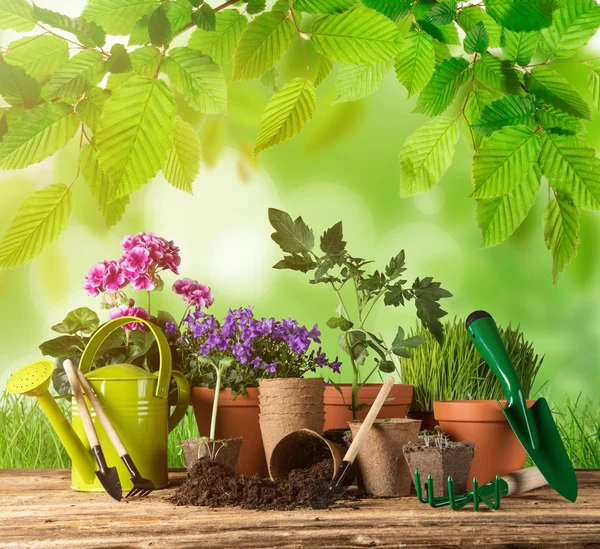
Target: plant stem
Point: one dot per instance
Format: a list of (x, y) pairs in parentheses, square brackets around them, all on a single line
[(340, 301), (148, 301), (377, 297), (358, 302)]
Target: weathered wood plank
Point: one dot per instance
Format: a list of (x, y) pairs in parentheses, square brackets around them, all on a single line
[(38, 511)]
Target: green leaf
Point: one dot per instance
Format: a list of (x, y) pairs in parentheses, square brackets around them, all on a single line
[(554, 89), (426, 155), (510, 110), (286, 113), (37, 135), (117, 16), (354, 82), (446, 34), (119, 60), (594, 87), (87, 33), (561, 227), (139, 34), (504, 161), (17, 87), (256, 6), (262, 44), (323, 6), (415, 62), (293, 237), (101, 187), (183, 161), (71, 78), (573, 25), (339, 322), (179, 14), (474, 108), (145, 61), (386, 366), (159, 27), (201, 81), (522, 15), (296, 262), (572, 168), (220, 44), (472, 15), (519, 47), (557, 121), (320, 69), (39, 56), (90, 107), (39, 221), (396, 266), (135, 133), (205, 18), (16, 15), (477, 39), (79, 320), (62, 347), (269, 80), (394, 9), (359, 35), (441, 90), (427, 296), (497, 74), (442, 13), (332, 241), (498, 218)]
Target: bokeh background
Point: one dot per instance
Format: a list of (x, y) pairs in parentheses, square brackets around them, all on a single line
[(344, 166)]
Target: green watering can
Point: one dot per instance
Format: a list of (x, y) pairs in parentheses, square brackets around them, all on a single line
[(135, 400)]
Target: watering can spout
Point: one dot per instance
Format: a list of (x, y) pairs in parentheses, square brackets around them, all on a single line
[(34, 380)]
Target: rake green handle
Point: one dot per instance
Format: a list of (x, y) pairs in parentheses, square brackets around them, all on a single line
[(484, 334)]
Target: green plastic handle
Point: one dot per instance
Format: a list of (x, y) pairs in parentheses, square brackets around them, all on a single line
[(164, 351), (484, 334), (183, 399)]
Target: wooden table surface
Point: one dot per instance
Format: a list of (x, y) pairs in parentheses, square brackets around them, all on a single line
[(38, 510)]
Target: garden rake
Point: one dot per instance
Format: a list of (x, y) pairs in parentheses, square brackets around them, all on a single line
[(534, 427)]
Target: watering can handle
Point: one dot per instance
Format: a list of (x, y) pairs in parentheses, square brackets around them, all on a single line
[(183, 399), (96, 341)]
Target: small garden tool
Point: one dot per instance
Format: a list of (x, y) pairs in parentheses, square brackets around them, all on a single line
[(107, 476), (141, 486), (534, 427)]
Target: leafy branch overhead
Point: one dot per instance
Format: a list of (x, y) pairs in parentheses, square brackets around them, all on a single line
[(496, 64)]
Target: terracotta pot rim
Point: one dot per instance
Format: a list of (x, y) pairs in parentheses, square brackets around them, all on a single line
[(226, 397), (393, 421), (471, 411), (400, 392)]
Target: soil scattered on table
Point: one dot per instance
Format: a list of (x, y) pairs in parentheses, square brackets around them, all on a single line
[(211, 484)]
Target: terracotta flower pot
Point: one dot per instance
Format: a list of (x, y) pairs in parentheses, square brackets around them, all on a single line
[(382, 466), (301, 449), (497, 449), (226, 452), (337, 414), (454, 460), (236, 418), (289, 410)]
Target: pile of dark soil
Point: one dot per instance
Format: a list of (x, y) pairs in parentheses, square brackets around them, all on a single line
[(211, 484)]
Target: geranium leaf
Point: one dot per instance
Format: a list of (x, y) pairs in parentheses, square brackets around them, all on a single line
[(71, 78), (394, 9), (17, 87), (323, 6), (510, 110), (65, 346), (37, 135), (504, 161), (477, 39), (359, 35), (286, 113), (262, 44), (441, 90), (201, 81), (101, 187), (522, 15), (497, 74), (183, 161), (572, 168), (415, 62), (135, 133), (117, 16), (39, 57), (16, 15), (354, 82), (498, 218), (220, 44), (82, 320), (426, 155), (519, 47), (39, 221), (561, 227), (554, 89), (293, 237), (88, 33)]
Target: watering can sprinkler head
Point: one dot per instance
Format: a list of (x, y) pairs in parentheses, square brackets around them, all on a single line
[(31, 380)]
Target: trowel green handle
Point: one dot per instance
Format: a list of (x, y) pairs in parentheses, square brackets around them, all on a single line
[(484, 334)]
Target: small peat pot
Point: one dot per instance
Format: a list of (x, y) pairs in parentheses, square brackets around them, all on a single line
[(383, 469), (443, 460), (226, 452), (301, 450)]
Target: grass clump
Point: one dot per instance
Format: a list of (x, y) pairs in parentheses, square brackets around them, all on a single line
[(456, 371)]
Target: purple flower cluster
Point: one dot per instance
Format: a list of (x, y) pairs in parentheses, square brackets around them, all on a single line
[(194, 293), (130, 310), (275, 346), (144, 256)]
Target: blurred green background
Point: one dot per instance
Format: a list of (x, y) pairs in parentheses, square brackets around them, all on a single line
[(344, 166)]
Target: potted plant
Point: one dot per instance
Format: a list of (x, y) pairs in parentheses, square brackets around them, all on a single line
[(454, 382), (259, 349), (333, 265), (436, 455)]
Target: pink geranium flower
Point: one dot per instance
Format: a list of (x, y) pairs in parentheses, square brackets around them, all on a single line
[(193, 293), (105, 276), (130, 310)]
